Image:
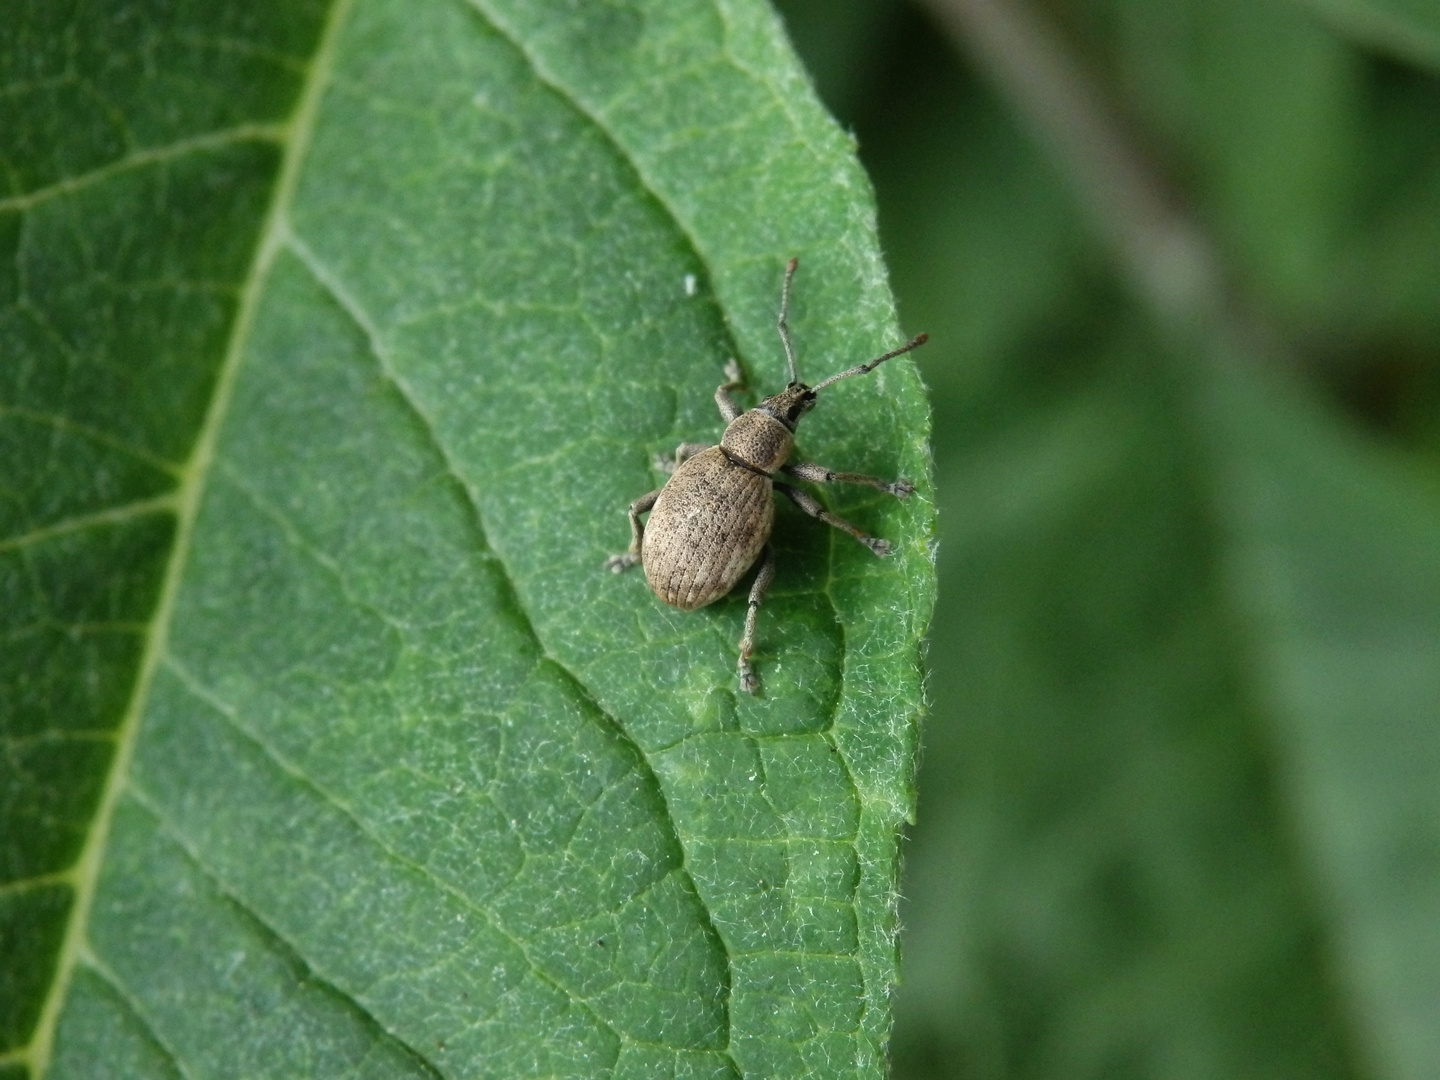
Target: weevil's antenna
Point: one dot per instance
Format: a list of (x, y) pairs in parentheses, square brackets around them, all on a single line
[(861, 369), (782, 325)]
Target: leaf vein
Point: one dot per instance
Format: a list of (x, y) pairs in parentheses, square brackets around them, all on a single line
[(486, 12), (327, 280), (71, 427), (80, 522), (139, 159), (618, 145), (282, 944), (37, 881), (340, 806), (297, 540), (295, 138), (127, 998)]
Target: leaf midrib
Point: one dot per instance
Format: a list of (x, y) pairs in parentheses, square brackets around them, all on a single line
[(294, 137)]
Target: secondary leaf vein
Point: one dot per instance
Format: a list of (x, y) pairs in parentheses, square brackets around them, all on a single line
[(139, 159), (110, 516), (127, 998), (297, 958), (330, 282), (329, 798)]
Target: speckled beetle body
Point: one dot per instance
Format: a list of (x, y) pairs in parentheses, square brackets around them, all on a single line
[(712, 519)]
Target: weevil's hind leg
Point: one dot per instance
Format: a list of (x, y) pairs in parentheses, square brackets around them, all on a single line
[(807, 502), (819, 474), (617, 563), (763, 580), (683, 453), (735, 381)]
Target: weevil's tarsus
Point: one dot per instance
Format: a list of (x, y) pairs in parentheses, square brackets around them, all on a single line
[(763, 580), (871, 365), (618, 563), (819, 474), (783, 326), (811, 505)]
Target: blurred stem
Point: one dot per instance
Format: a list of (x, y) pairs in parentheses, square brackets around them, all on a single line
[(1166, 255)]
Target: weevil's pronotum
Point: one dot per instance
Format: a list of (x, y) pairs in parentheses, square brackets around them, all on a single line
[(712, 519)]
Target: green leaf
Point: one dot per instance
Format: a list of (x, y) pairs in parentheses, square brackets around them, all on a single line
[(338, 337), (1101, 883), (1254, 105), (1407, 28), (1332, 557)]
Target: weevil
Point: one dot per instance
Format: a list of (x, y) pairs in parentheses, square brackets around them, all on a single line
[(713, 517)]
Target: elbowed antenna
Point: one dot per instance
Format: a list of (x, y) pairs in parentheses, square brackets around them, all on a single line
[(782, 325), (861, 369)]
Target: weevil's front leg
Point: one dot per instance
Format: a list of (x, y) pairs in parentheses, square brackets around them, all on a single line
[(807, 502), (683, 452), (728, 409), (640, 506), (819, 474), (748, 682)]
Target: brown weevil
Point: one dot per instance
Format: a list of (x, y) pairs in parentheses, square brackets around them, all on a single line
[(712, 519)]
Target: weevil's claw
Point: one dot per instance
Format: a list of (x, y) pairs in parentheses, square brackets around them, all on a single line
[(617, 564), (878, 546), (748, 682), (902, 489), (733, 372)]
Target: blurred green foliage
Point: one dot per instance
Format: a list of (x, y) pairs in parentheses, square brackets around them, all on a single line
[(1178, 810)]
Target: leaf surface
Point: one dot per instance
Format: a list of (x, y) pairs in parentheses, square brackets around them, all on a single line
[(332, 390)]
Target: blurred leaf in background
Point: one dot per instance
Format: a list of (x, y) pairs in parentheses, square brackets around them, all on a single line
[(1180, 796)]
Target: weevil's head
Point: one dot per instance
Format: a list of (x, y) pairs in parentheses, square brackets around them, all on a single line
[(789, 405)]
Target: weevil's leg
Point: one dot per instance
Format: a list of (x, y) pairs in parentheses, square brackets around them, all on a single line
[(640, 506), (763, 579), (735, 381), (807, 502), (818, 474), (683, 452)]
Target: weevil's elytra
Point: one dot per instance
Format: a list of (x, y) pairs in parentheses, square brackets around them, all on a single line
[(713, 517), (719, 519)]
